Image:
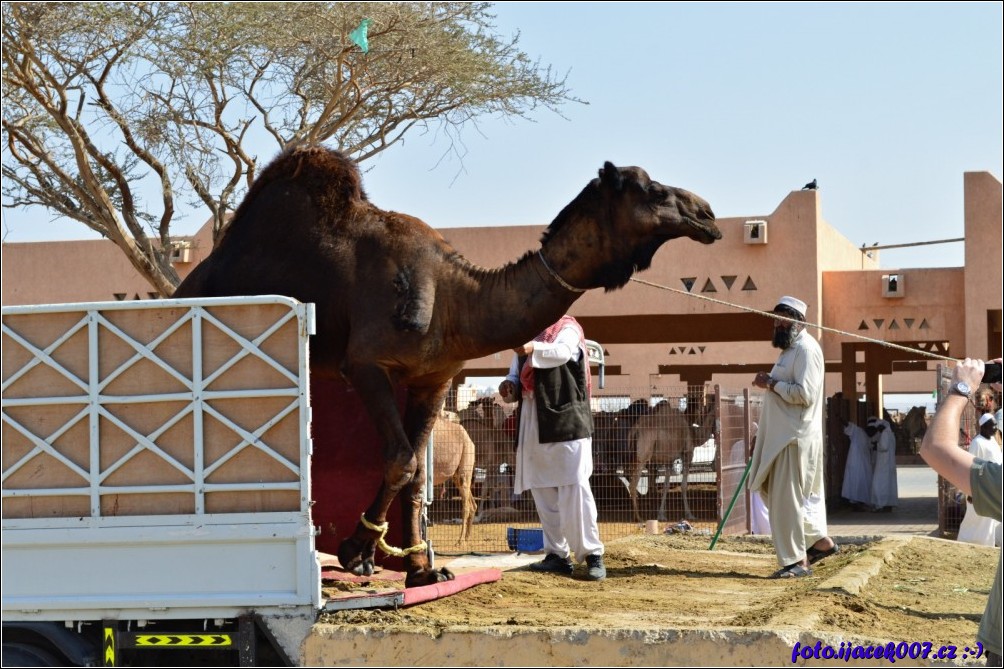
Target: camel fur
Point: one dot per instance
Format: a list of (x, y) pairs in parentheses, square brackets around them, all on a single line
[(397, 306)]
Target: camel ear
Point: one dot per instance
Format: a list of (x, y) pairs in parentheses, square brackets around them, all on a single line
[(610, 176)]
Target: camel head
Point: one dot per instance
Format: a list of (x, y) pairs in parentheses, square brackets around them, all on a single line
[(617, 223)]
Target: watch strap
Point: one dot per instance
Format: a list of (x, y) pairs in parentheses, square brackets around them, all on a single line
[(954, 389)]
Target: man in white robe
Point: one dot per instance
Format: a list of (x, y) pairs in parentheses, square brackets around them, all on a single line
[(977, 529), (857, 487), (885, 489), (557, 471), (787, 465)]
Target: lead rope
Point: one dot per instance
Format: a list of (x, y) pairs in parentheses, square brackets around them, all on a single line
[(769, 314), (383, 545)]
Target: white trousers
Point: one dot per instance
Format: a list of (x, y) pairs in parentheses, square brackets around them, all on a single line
[(568, 517)]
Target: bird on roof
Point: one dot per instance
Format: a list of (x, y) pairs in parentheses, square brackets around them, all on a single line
[(812, 185)]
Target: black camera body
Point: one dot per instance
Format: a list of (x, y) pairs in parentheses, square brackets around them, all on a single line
[(992, 373)]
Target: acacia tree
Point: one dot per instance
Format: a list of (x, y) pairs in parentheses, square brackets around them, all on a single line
[(105, 103)]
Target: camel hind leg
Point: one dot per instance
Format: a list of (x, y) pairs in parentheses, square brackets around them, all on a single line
[(404, 470)]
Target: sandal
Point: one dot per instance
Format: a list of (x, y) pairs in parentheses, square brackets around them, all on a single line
[(792, 571), (815, 555)]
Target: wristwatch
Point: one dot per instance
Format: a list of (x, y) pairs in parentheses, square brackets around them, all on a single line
[(960, 388)]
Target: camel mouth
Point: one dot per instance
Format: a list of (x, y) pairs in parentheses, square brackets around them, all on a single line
[(708, 232)]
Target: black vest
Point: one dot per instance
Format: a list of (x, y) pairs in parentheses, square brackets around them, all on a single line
[(563, 411)]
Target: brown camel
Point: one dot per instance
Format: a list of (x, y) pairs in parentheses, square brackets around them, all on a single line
[(493, 448), (453, 460), (662, 436), (398, 306)]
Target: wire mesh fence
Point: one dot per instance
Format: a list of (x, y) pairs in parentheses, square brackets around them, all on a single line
[(674, 455)]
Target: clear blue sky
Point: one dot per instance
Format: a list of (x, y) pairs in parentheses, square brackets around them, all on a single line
[(887, 105)]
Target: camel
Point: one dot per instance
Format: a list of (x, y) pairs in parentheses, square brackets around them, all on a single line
[(662, 436), (453, 460), (397, 306), (493, 448)]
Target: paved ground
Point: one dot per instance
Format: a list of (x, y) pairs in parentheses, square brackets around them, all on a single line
[(917, 512)]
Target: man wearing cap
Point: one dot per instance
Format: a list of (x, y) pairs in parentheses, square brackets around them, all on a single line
[(976, 529), (787, 464), (885, 489)]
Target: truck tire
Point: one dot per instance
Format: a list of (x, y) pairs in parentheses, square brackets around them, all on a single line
[(27, 655)]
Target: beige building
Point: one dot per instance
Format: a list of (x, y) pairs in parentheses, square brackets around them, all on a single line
[(669, 334)]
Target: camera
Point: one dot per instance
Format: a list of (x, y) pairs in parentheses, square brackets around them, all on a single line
[(992, 373)]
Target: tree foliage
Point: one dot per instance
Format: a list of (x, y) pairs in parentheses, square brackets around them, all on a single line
[(105, 103)]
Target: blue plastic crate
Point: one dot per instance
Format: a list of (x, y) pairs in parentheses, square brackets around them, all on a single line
[(525, 540)]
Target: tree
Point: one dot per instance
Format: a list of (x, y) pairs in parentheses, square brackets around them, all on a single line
[(106, 102)]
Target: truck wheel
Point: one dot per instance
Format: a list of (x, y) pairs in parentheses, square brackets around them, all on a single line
[(27, 655)]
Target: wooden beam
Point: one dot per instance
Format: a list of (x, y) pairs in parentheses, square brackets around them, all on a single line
[(668, 328)]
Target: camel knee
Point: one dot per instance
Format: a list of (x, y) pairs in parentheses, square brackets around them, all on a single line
[(401, 471)]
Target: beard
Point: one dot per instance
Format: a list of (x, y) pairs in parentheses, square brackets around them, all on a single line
[(783, 336)]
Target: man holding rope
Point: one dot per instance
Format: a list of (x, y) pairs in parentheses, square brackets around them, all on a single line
[(787, 464)]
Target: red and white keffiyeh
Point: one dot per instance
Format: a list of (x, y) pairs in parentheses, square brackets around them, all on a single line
[(548, 336)]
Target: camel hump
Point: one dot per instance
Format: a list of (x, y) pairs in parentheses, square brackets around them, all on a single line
[(327, 175)]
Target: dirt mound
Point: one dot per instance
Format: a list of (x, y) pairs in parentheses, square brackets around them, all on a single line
[(898, 589)]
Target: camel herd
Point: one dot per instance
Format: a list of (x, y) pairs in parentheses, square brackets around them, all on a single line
[(474, 448)]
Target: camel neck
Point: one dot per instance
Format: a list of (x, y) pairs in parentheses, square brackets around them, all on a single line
[(509, 306), (564, 284)]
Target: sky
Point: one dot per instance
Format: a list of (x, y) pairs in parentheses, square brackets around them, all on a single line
[(885, 105)]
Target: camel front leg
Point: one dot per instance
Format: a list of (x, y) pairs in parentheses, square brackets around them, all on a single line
[(662, 516), (683, 485), (635, 479), (356, 553), (420, 414)]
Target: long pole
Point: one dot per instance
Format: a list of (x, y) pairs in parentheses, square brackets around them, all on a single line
[(728, 511)]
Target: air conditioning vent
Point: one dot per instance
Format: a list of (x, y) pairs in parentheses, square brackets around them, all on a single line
[(755, 232), (181, 252), (892, 285)]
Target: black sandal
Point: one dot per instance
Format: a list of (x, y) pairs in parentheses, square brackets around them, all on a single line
[(815, 555), (792, 571)]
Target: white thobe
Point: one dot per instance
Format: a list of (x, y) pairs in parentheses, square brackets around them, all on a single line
[(858, 471), (556, 473), (885, 490), (977, 529), (788, 457), (759, 515)]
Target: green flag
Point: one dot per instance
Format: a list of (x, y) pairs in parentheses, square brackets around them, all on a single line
[(358, 36)]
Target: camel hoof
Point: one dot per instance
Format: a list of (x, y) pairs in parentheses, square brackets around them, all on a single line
[(356, 557), (428, 577)]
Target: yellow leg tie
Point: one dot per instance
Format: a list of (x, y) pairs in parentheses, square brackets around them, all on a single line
[(384, 546)]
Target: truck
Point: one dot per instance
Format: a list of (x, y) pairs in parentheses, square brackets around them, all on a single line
[(156, 488)]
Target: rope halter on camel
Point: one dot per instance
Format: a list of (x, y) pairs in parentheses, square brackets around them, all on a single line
[(384, 546), (564, 284)]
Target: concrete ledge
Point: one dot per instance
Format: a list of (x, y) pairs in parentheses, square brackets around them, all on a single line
[(852, 578), (332, 645)]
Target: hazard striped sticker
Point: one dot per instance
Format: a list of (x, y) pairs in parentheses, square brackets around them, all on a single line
[(171, 640)]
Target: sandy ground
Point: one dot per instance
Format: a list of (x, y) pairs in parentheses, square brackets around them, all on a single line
[(912, 589)]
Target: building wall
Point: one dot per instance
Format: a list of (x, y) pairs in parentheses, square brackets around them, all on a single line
[(983, 263), (804, 256)]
